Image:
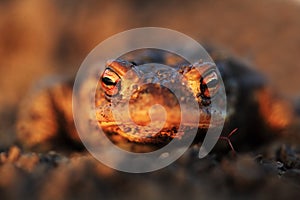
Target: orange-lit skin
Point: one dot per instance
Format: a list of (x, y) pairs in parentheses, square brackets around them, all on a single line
[(145, 97), (45, 119)]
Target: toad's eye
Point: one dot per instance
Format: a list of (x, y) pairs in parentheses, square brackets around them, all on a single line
[(209, 84), (109, 82)]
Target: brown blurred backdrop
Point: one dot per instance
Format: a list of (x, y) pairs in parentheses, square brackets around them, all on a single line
[(38, 38)]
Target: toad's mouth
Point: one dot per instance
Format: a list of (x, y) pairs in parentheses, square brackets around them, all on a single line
[(172, 128), (146, 135)]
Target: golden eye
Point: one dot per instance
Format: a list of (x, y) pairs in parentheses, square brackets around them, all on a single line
[(209, 84), (109, 82)]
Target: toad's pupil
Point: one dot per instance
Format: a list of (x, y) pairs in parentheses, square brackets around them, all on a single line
[(211, 80), (212, 83), (108, 81)]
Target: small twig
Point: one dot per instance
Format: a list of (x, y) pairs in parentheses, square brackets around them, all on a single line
[(227, 138)]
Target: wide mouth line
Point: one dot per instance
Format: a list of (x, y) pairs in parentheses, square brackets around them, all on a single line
[(199, 125)]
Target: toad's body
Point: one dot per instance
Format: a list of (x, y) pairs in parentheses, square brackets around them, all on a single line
[(251, 107)]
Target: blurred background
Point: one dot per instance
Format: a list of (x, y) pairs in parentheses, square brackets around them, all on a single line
[(39, 38), (42, 38)]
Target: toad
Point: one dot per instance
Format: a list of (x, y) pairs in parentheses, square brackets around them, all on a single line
[(46, 121)]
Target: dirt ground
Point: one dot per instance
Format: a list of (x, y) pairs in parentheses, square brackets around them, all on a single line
[(40, 38)]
